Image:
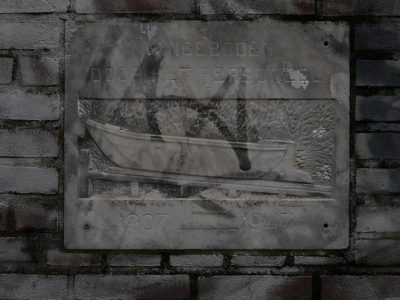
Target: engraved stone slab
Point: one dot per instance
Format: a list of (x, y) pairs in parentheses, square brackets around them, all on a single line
[(206, 135)]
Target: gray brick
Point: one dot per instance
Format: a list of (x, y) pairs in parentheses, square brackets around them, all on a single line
[(137, 6), (378, 181), (125, 260), (34, 216), (378, 145), (295, 7), (19, 105), (33, 6), (360, 287), (57, 257), (28, 180), (378, 219), (243, 260), (39, 71), (28, 143), (377, 252), (378, 73), (30, 35), (385, 35), (166, 287), (378, 108), (254, 287), (3, 216), (362, 7), (14, 250), (196, 261), (6, 70), (317, 260), (33, 287)]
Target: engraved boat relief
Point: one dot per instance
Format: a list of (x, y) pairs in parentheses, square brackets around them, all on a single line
[(265, 167), (270, 160)]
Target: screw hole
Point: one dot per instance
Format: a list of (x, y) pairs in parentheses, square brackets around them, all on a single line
[(325, 225), (86, 226), (326, 43)]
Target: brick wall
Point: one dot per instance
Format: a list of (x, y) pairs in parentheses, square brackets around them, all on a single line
[(33, 263)]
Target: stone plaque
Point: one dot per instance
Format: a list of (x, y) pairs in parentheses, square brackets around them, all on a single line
[(206, 135)]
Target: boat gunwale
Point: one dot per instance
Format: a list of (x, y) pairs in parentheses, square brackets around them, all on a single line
[(262, 145)]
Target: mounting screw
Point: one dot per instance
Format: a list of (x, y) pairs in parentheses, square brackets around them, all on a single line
[(86, 227)]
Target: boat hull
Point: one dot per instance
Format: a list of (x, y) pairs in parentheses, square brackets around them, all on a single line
[(272, 160)]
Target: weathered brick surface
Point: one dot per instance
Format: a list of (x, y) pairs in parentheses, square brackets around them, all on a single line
[(317, 260), (3, 216), (378, 145), (57, 257), (28, 143), (28, 180), (374, 36), (378, 219), (360, 287), (361, 7), (124, 260), (378, 73), (33, 6), (39, 71), (167, 287), (377, 252), (20, 105), (295, 7), (196, 261), (14, 250), (33, 287), (137, 6), (378, 108), (254, 287), (6, 70), (243, 260), (30, 35), (30, 216), (378, 181)]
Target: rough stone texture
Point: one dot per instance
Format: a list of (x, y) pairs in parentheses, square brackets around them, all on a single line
[(28, 180), (249, 7), (378, 73), (33, 6), (20, 105), (166, 287), (14, 250), (30, 216), (137, 6), (378, 36), (30, 35), (254, 287), (378, 145), (56, 257), (377, 252), (6, 70), (125, 260), (360, 287), (317, 260), (378, 108), (39, 71), (28, 143), (361, 7), (243, 260), (196, 261), (35, 287), (378, 219), (378, 181)]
